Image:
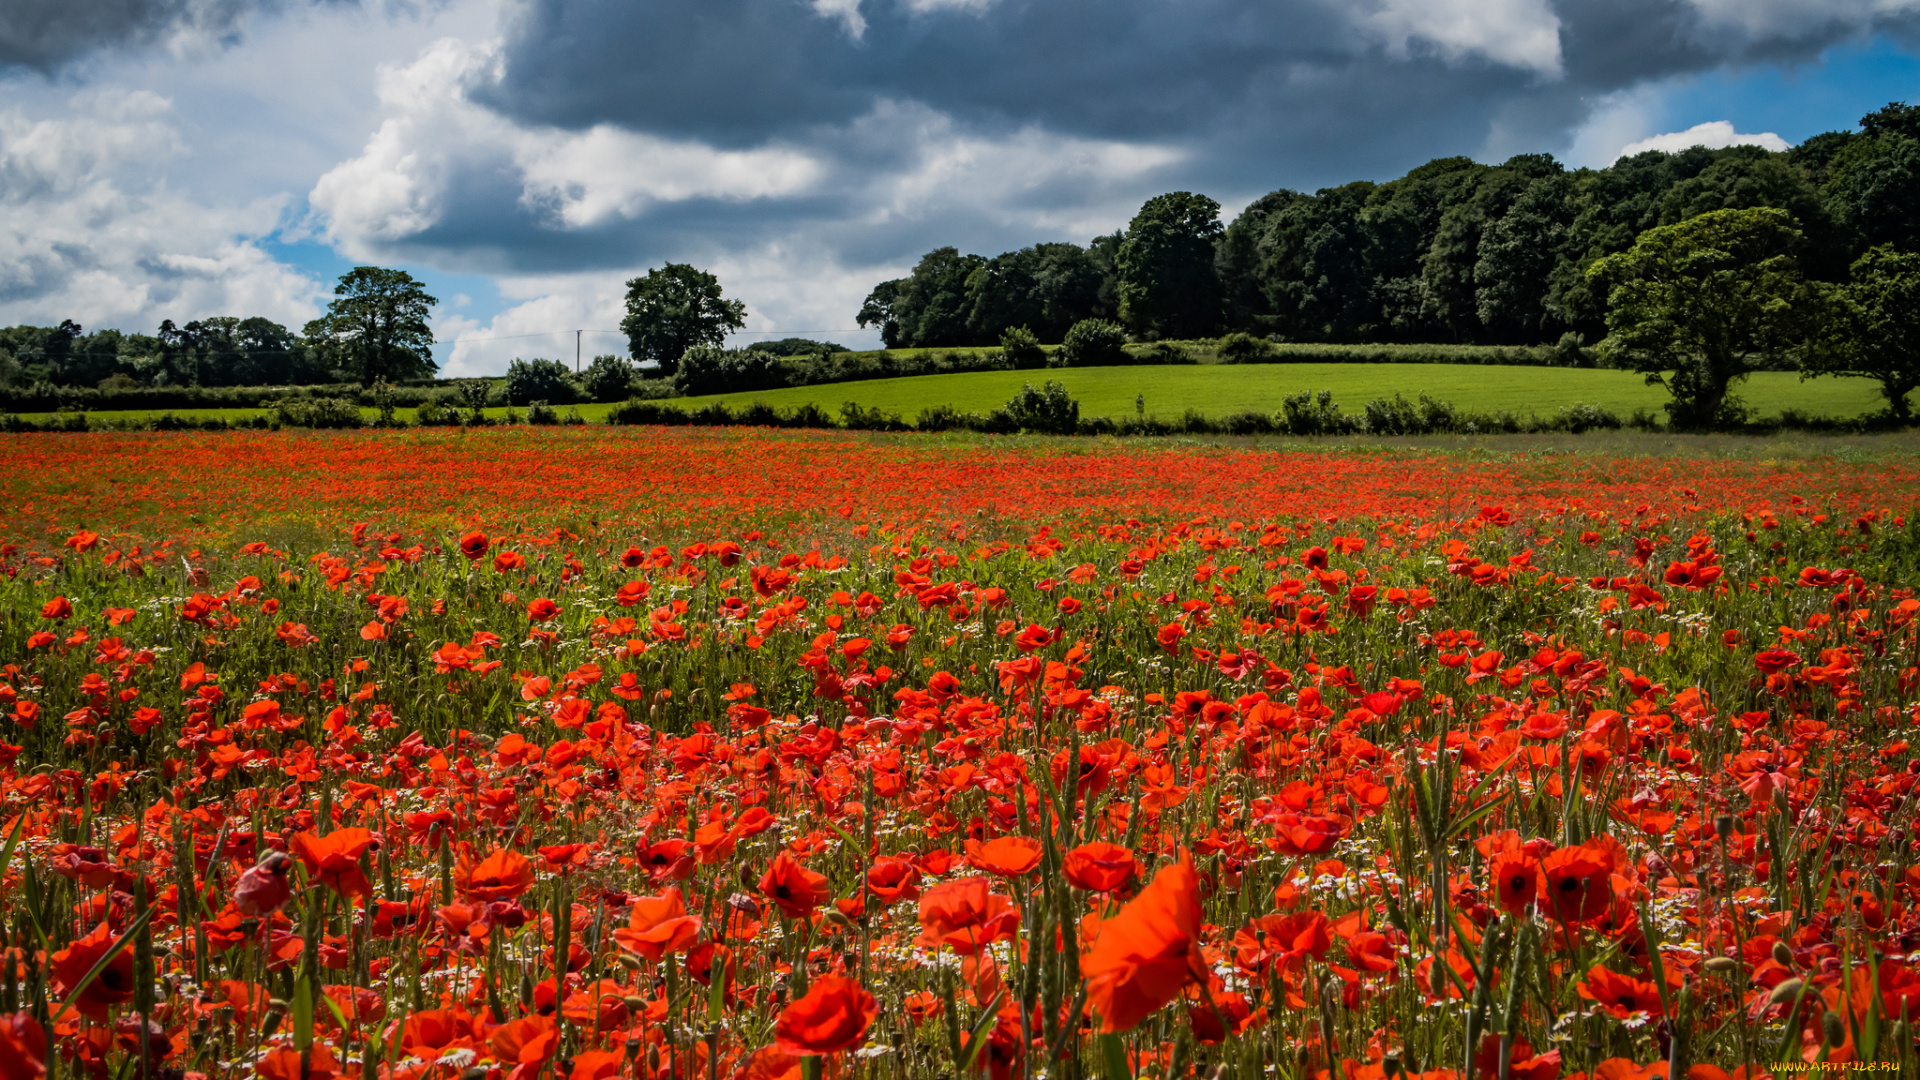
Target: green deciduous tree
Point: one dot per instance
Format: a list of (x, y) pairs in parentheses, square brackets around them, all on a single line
[(1700, 304), (376, 326), (676, 308), (1168, 287), (1874, 327)]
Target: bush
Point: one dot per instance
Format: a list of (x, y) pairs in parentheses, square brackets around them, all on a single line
[(706, 370), (1093, 343), (1305, 413), (855, 418), (475, 394), (1022, 349), (608, 378), (1579, 418), (1245, 349), (547, 381), (336, 413), (797, 346), (1050, 410), (541, 414)]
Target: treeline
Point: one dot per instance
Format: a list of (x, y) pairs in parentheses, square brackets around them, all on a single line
[(1454, 251), (374, 329)]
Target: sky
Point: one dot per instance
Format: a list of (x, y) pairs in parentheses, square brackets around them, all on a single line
[(179, 159)]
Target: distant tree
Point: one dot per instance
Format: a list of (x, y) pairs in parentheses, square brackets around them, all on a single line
[(534, 380), (878, 310), (1168, 286), (9, 367), (676, 308), (1237, 259), (1049, 410), (1873, 185), (798, 346), (1701, 304), (1517, 255), (608, 378), (376, 327), (1873, 330), (1313, 269)]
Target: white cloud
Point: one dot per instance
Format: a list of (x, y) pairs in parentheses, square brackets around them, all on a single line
[(847, 11), (436, 138), (90, 231), (1713, 134), (1518, 33)]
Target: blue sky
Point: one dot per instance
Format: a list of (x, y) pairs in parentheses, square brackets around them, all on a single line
[(186, 158)]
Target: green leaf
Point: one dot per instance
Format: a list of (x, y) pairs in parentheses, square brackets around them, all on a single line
[(1114, 1052)]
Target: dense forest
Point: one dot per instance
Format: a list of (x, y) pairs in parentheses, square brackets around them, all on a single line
[(1454, 251)]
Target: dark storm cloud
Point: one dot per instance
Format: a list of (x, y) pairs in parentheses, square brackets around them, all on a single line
[(45, 33), (1253, 94)]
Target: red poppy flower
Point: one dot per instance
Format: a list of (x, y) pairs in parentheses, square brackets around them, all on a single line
[(1309, 834), (502, 875), (769, 1063), (542, 610), (283, 1063), (1622, 995), (793, 888), (23, 1047), (965, 915), (659, 925), (1775, 660), (892, 880), (57, 608), (474, 545), (113, 986), (1579, 883), (834, 1016), (1517, 880), (335, 859), (1008, 856), (527, 1044), (264, 887), (1098, 866), (1145, 955)]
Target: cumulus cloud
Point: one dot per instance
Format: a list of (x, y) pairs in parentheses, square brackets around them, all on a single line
[(1764, 19), (44, 34), (1519, 33), (1714, 134), (87, 232)]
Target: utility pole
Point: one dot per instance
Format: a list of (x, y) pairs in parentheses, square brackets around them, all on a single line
[(576, 350)]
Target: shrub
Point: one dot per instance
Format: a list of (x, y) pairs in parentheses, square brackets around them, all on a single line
[(547, 381), (1579, 418), (608, 378), (707, 370), (1049, 410), (1093, 343), (1245, 349), (336, 413), (939, 418), (541, 414), (855, 418), (1305, 413), (474, 394), (1022, 349)]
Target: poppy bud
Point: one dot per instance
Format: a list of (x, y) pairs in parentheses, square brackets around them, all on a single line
[(1782, 955), (631, 962), (1834, 1028), (1437, 978), (1780, 800), (837, 919), (1722, 965), (1785, 992), (634, 1001)]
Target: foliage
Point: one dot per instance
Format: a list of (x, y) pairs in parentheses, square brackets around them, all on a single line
[(326, 413), (376, 326), (534, 380), (1873, 329), (1700, 305), (608, 378), (1049, 410), (676, 308), (797, 346), (1093, 343), (708, 370), (1022, 349), (1167, 283)]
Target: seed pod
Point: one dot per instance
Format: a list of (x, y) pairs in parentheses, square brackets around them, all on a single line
[(1834, 1028), (634, 1001), (631, 962), (1722, 965), (1785, 992), (1723, 824), (1782, 955)]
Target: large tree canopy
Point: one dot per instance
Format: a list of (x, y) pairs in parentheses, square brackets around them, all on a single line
[(676, 308), (1703, 303), (376, 326), (1168, 287)]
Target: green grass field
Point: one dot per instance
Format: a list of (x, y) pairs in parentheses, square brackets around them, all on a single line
[(1217, 390)]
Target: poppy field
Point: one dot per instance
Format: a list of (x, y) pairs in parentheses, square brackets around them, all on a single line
[(703, 754)]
